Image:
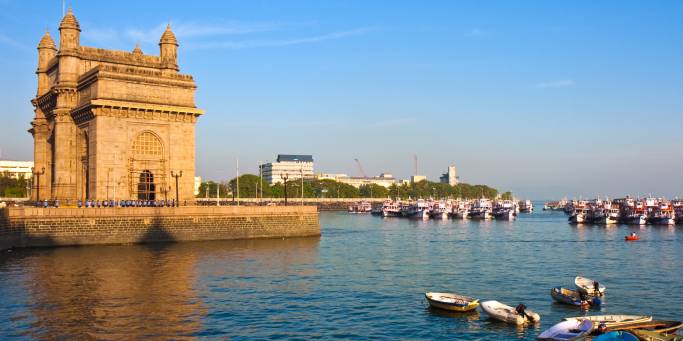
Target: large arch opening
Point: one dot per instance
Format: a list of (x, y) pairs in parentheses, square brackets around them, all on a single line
[(146, 186)]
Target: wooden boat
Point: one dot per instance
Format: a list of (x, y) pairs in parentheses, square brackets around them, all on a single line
[(451, 302), (586, 286), (631, 238), (613, 321), (571, 297), (647, 335), (505, 313), (660, 326), (568, 330), (616, 336)]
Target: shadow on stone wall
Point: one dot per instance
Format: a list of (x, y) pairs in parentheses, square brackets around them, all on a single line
[(157, 234)]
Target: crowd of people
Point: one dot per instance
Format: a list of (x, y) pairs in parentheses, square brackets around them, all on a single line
[(111, 203)]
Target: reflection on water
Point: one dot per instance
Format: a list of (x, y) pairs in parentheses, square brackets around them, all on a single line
[(364, 278), (136, 291)]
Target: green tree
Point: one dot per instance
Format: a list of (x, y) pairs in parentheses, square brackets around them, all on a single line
[(373, 191)]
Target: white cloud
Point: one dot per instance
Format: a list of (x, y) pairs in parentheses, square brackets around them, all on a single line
[(283, 42), (5, 40), (475, 32), (560, 83)]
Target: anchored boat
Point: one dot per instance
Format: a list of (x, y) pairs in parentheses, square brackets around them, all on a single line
[(505, 313), (451, 302), (568, 330), (587, 286)]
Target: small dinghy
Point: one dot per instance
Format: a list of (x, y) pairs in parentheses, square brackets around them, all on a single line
[(571, 297), (616, 336), (568, 330), (505, 313), (647, 335), (613, 321), (659, 326), (451, 302), (587, 286), (631, 238)]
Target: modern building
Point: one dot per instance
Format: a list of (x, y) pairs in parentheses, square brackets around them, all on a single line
[(417, 178), (450, 177), (112, 124), (288, 166), (384, 179), (16, 169), (197, 184)]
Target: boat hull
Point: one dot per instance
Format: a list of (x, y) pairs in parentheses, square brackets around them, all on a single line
[(444, 302)]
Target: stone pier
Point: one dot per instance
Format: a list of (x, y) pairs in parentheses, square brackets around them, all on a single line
[(45, 227)]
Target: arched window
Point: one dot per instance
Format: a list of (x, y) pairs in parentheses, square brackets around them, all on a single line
[(146, 187), (147, 146)]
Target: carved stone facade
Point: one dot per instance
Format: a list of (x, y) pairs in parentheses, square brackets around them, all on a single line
[(112, 124)]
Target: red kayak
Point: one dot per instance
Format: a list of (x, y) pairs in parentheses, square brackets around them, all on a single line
[(628, 238)]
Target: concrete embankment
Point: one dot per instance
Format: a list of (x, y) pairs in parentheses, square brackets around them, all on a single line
[(44, 227)]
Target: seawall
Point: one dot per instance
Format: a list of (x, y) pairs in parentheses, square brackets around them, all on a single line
[(44, 227)]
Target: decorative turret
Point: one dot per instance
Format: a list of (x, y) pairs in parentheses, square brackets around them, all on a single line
[(137, 50), (46, 51), (69, 32), (168, 49)]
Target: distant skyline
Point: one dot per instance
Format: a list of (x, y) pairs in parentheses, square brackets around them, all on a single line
[(546, 99)]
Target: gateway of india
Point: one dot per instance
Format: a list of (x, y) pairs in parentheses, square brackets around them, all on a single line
[(112, 125)]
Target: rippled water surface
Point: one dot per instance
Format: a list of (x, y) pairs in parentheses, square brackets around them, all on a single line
[(364, 278)]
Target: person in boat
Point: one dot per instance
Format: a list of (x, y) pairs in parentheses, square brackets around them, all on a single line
[(596, 288), (521, 311), (602, 329), (633, 235)]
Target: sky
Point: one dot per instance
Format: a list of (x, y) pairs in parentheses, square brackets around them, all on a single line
[(544, 98)]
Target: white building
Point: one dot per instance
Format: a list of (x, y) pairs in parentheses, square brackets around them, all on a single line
[(197, 184), (384, 179), (15, 169), (290, 166), (417, 178), (451, 177)]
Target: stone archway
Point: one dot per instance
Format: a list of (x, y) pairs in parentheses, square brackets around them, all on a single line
[(147, 166), (146, 186)]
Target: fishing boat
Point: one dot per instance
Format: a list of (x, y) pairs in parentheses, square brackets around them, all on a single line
[(505, 210), (647, 335), (361, 207), (526, 206), (391, 208), (451, 302), (461, 209), (613, 321), (567, 330), (481, 209), (505, 313), (571, 297), (587, 286), (418, 209), (663, 214), (440, 210), (616, 336), (579, 216)]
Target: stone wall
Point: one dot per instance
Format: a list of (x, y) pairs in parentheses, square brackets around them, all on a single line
[(41, 227)]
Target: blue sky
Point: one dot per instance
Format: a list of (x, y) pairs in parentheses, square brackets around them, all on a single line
[(545, 98)]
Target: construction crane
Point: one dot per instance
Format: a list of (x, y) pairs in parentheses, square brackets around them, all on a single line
[(360, 168)]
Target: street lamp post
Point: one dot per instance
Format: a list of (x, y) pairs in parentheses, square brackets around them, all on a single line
[(285, 179), (37, 176), (177, 197)]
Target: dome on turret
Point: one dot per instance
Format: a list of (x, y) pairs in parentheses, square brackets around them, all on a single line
[(137, 50), (168, 37), (46, 42), (69, 21)]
